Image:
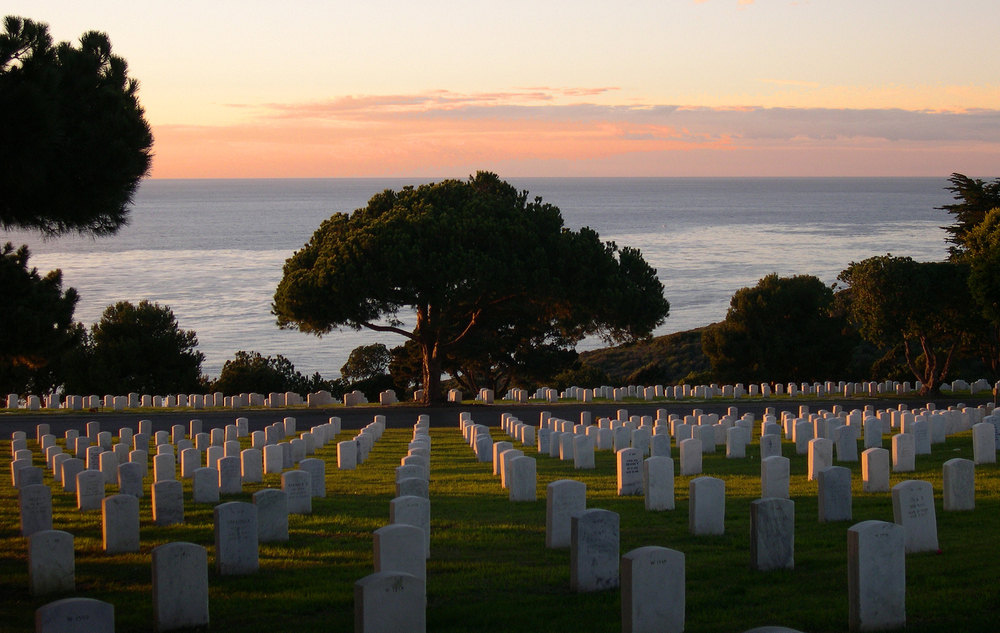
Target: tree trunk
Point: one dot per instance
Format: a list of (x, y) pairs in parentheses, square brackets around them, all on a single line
[(432, 373)]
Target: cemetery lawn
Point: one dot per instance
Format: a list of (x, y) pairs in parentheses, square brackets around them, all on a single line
[(490, 570)]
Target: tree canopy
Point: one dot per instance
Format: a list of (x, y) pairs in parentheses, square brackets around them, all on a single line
[(921, 307), (782, 329), (975, 198), (36, 324), (137, 348), (74, 142), (252, 372), (458, 254)]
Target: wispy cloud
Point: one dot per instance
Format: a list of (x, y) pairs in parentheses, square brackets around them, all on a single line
[(443, 132)]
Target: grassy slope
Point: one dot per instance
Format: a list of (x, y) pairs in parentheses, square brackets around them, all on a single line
[(490, 570), (676, 354)]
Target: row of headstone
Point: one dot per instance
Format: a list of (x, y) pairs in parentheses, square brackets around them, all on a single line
[(352, 453), (394, 597)]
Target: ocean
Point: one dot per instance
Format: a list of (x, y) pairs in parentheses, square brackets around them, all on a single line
[(213, 250)]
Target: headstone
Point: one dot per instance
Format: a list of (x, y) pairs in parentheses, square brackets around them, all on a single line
[(168, 502), (236, 550), (230, 476), (846, 443), (274, 461), (70, 469), (913, 508), (205, 485), (691, 456), (820, 456), (653, 590), (35, 505), (629, 461), (297, 485), (563, 499), (317, 469), (775, 477), (594, 546), (876, 576), (834, 494), (416, 486), (120, 524), (390, 602), (180, 586), (658, 483), (347, 455), (89, 489), (400, 547), (272, 515), (707, 506), (875, 470), (959, 485), (164, 467), (75, 615), (583, 452), (984, 447), (904, 452), (772, 533), (416, 511), (522, 483), (51, 562)]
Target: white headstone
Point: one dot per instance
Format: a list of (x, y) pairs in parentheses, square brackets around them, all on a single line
[(629, 463), (120, 524), (959, 485), (180, 586), (594, 546), (390, 602), (913, 508), (416, 511), (772, 533), (834, 494), (563, 499), (297, 485), (658, 483), (236, 550), (775, 477), (51, 562), (205, 485), (691, 456), (35, 505), (272, 515), (707, 506), (653, 590), (400, 547), (875, 470), (876, 576), (904, 450), (522, 483), (75, 615)]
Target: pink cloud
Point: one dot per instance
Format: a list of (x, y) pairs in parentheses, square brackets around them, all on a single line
[(534, 129)]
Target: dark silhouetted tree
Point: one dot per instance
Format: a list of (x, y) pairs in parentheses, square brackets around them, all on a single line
[(458, 253)]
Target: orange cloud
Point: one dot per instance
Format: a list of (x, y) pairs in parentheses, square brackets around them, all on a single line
[(531, 132)]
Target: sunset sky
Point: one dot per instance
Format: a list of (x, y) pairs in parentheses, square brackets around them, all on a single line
[(544, 88)]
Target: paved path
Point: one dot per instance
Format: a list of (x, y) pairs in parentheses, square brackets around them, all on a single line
[(404, 416)]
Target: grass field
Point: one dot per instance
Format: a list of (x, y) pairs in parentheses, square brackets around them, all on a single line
[(490, 571)]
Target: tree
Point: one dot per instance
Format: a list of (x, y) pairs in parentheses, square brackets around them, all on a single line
[(975, 199), (251, 372), (920, 307), (138, 349), (983, 255), (366, 361), (74, 142), (455, 253), (36, 324), (783, 329)]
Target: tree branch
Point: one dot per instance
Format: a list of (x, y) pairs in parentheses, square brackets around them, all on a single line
[(388, 328)]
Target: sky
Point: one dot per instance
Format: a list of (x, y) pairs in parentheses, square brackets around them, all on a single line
[(436, 88)]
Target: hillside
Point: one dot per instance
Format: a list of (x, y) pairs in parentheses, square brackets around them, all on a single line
[(662, 360)]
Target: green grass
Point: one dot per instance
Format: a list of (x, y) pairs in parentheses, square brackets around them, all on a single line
[(489, 568)]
